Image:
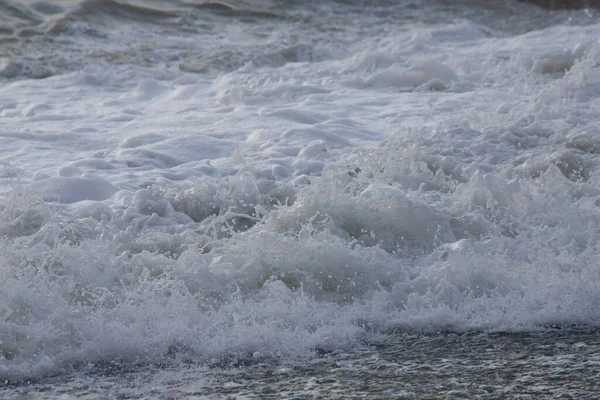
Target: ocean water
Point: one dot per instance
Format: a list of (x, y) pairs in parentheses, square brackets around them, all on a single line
[(299, 199)]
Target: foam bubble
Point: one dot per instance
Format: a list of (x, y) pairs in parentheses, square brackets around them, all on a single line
[(71, 189), (435, 74)]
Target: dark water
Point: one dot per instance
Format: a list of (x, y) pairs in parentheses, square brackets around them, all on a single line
[(41, 38), (562, 364)]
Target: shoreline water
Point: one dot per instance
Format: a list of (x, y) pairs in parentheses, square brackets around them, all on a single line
[(183, 185), (544, 364)]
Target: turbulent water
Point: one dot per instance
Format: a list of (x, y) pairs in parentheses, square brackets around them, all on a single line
[(298, 198)]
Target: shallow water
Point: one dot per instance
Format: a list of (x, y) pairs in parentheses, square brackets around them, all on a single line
[(287, 184), (545, 364)]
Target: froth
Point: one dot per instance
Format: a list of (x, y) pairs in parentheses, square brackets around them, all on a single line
[(300, 202)]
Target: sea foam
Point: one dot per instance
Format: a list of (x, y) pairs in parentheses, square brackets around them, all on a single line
[(323, 188)]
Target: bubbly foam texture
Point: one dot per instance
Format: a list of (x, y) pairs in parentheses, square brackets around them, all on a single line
[(435, 177)]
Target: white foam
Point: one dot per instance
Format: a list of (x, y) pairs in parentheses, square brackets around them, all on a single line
[(440, 176), (435, 74), (67, 188)]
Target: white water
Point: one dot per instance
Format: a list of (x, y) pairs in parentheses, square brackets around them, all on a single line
[(434, 175)]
